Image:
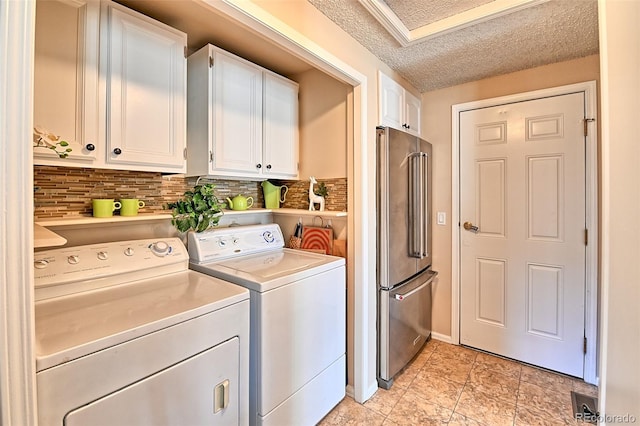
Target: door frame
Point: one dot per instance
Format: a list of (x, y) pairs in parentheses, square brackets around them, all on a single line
[(591, 210)]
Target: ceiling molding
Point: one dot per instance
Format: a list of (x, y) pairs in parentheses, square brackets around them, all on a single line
[(390, 21)]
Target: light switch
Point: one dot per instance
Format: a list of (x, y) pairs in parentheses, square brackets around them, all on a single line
[(441, 218)]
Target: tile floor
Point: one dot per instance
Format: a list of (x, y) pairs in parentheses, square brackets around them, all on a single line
[(448, 384)]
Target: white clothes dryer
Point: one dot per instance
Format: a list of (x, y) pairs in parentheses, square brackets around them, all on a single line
[(126, 334), (298, 320)]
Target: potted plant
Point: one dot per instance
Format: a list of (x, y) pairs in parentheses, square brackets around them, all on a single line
[(198, 210)]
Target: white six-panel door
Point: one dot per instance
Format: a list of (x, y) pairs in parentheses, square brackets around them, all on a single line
[(522, 184)]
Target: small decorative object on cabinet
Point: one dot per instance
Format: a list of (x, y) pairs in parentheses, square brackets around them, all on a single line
[(43, 138), (313, 197), (199, 210)]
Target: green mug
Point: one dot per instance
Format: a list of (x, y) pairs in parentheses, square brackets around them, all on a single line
[(104, 207), (130, 206)]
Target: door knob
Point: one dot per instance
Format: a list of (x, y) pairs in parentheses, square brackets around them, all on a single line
[(470, 227)]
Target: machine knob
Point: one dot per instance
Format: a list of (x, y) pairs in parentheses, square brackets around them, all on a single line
[(160, 248), (222, 243), (41, 264), (128, 251), (103, 255), (73, 259), (117, 151), (268, 236), (90, 147)]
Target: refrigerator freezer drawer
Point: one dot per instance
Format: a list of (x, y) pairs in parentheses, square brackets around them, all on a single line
[(405, 325)]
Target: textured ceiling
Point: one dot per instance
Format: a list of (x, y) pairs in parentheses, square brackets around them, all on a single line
[(550, 32)]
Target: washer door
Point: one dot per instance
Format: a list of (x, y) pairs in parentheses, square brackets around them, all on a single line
[(202, 389)]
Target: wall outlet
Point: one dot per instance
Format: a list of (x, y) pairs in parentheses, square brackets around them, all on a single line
[(441, 218)]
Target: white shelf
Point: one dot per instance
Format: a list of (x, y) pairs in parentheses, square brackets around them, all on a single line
[(89, 220), (300, 212)]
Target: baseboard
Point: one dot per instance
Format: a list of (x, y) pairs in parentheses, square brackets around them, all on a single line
[(442, 338), (350, 391)]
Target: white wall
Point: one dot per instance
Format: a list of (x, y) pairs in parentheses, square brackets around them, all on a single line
[(620, 343)]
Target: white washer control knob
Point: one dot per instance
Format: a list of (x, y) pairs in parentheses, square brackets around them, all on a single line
[(103, 255), (160, 248), (41, 264), (222, 243), (73, 259), (268, 236), (128, 251)]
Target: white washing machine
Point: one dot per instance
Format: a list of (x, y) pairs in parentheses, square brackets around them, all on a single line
[(126, 334), (298, 320)]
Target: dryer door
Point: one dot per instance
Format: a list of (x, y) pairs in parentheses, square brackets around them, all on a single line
[(202, 389)]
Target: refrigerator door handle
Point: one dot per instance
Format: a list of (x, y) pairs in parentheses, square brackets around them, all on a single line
[(424, 203), (415, 218), (401, 297)]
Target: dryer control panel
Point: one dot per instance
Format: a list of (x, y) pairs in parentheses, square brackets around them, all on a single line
[(97, 265), (224, 243)]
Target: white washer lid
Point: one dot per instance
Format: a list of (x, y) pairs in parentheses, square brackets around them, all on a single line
[(267, 270), (72, 326)]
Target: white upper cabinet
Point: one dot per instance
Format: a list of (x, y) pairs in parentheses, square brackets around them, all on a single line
[(66, 81), (111, 82), (397, 107), (280, 127), (242, 119), (144, 74)]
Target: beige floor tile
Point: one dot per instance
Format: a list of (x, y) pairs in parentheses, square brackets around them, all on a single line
[(349, 412), (412, 409), (545, 401), (528, 417), (492, 411), (460, 420), (452, 369), (456, 352), (436, 389), (404, 378), (546, 379), (494, 384), (499, 365), (383, 400)]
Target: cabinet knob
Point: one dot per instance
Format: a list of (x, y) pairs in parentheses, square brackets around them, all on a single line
[(268, 166), (259, 166), (408, 126), (90, 147), (117, 151)]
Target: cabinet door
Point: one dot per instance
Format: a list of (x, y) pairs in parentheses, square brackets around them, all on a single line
[(280, 127), (412, 113), (391, 98), (145, 81), (66, 80), (237, 121)]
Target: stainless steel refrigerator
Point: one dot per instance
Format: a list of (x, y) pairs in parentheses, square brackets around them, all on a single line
[(404, 272)]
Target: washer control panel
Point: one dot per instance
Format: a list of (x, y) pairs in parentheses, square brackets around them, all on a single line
[(228, 242), (71, 264)]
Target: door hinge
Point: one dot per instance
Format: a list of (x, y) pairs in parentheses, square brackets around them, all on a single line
[(184, 153), (586, 237), (210, 61), (211, 156), (586, 122), (185, 52), (584, 346)]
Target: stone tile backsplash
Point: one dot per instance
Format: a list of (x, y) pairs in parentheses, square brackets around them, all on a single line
[(68, 191)]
